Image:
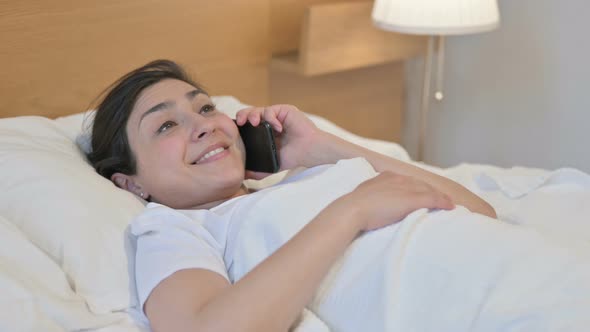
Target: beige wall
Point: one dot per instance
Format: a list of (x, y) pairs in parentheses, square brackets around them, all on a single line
[(515, 96)]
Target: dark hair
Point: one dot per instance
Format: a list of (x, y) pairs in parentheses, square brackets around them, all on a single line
[(110, 150)]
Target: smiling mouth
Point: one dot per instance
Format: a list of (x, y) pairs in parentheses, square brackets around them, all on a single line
[(209, 155)]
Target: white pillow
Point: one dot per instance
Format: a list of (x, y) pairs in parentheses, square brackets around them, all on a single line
[(50, 192), (36, 295)]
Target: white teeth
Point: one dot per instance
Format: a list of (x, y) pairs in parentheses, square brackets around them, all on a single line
[(210, 154)]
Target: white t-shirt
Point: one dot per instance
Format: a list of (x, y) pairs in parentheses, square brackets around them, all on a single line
[(168, 240)]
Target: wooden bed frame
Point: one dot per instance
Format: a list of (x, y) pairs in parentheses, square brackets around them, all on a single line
[(59, 55)]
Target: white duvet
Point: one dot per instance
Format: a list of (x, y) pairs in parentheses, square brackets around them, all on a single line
[(438, 271), (444, 271)]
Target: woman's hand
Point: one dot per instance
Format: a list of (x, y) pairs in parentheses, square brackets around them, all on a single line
[(389, 197), (296, 133)]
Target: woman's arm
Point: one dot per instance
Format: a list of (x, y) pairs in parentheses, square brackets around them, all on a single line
[(271, 296), (303, 144), (334, 148)]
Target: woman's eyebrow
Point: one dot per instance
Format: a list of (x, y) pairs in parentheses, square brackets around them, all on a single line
[(193, 93), (159, 107), (168, 104)]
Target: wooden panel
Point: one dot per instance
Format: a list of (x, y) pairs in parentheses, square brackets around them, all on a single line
[(342, 36), (368, 101), (286, 21), (58, 55)]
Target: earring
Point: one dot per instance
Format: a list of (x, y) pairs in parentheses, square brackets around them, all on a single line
[(141, 194)]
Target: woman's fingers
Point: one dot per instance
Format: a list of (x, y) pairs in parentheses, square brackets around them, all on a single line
[(389, 197), (255, 115), (250, 114), (242, 115), (255, 175), (437, 200), (271, 117), (429, 196), (447, 203)]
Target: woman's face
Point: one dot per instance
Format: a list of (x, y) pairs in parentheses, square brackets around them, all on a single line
[(188, 153)]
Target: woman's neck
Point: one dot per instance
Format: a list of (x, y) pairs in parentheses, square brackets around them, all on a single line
[(243, 190)]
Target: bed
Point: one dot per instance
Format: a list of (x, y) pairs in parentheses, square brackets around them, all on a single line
[(64, 264)]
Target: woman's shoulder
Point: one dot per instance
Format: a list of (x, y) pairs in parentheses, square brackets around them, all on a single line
[(157, 216), (158, 211)]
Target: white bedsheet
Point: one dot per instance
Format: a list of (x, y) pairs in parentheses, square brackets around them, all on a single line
[(553, 204), (449, 270)]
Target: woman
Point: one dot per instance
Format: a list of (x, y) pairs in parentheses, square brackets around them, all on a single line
[(157, 135)]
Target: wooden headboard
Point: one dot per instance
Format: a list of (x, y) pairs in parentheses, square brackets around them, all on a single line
[(58, 55)]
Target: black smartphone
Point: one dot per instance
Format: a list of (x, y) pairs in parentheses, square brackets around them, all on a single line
[(261, 151)]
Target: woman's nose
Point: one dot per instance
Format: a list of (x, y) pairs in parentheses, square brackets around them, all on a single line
[(202, 128)]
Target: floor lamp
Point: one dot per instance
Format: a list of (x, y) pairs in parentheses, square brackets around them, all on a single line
[(435, 18)]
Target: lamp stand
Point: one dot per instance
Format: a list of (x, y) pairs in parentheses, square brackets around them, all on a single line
[(425, 102)]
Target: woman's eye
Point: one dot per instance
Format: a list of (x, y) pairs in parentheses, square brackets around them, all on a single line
[(165, 126), (207, 108)]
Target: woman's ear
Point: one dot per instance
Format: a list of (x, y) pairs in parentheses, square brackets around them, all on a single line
[(127, 182)]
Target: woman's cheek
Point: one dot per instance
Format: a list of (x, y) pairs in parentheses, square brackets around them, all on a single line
[(170, 147), (231, 130), (241, 149)]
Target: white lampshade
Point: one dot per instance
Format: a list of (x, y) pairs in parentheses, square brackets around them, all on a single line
[(436, 17)]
